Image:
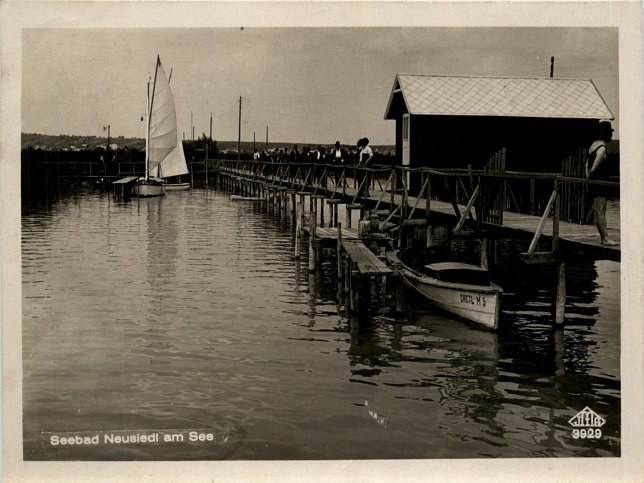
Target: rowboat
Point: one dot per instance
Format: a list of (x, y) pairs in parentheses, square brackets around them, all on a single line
[(461, 289)]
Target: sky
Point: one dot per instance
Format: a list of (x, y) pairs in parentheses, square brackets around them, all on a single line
[(313, 84)]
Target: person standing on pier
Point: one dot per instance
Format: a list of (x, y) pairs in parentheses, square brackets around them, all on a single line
[(338, 157), (597, 169), (293, 158), (365, 155), (337, 154)]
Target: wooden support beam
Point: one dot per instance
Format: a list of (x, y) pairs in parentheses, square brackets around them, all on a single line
[(452, 198), (542, 222), (468, 208), (415, 222), (319, 181), (362, 183), (422, 190), (384, 190), (555, 219), (391, 215)]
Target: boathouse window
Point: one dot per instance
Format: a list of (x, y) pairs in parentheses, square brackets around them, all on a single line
[(406, 127)]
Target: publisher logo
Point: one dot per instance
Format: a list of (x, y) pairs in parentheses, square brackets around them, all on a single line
[(586, 424)]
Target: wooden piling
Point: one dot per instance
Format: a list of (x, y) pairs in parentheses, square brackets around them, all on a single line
[(339, 250), (313, 256), (298, 232), (484, 253), (337, 214), (430, 236), (398, 294), (560, 295)]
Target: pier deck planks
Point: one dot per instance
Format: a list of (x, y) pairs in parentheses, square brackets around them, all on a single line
[(328, 233), (366, 262)]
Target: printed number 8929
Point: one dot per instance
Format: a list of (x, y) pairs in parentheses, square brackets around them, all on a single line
[(587, 433)]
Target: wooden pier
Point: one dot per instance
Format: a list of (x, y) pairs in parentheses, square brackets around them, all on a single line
[(473, 204)]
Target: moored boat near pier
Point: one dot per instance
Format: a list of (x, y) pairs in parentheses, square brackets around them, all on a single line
[(461, 289)]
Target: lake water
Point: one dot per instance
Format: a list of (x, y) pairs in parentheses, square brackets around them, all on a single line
[(189, 312)]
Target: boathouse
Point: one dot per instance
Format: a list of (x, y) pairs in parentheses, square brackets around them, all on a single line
[(495, 124)]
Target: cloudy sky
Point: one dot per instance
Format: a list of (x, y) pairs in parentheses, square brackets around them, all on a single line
[(313, 84)]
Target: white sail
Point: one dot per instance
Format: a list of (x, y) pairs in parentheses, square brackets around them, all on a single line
[(164, 146)]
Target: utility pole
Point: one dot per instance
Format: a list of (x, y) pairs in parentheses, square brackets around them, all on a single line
[(192, 128), (267, 138), (239, 133), (211, 126), (552, 66)]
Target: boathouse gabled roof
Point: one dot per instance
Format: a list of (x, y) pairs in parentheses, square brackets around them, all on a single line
[(436, 95)]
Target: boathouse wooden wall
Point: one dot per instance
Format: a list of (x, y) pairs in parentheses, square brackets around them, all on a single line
[(533, 144)]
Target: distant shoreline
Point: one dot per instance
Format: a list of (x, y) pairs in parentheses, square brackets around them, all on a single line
[(70, 142)]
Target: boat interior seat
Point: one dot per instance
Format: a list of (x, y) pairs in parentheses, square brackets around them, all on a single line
[(419, 257), (457, 272)]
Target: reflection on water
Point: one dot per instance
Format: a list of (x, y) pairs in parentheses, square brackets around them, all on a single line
[(189, 311)]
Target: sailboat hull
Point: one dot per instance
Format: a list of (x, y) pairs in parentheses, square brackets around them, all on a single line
[(177, 186), (148, 189)]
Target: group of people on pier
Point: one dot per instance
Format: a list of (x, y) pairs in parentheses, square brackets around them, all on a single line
[(336, 155)]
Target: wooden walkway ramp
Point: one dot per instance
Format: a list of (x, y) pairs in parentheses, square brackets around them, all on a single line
[(331, 234), (365, 262)]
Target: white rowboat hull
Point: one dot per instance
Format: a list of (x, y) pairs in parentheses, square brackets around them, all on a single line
[(480, 304)]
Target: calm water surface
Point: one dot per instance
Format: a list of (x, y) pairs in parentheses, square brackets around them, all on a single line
[(189, 311)]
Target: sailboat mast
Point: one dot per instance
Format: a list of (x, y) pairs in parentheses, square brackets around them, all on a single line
[(147, 133), (150, 104), (239, 132)]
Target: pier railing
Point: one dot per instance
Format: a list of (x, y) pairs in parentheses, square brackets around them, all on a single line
[(494, 193), (497, 192)]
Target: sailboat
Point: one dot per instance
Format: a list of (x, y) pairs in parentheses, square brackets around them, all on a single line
[(164, 155)]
